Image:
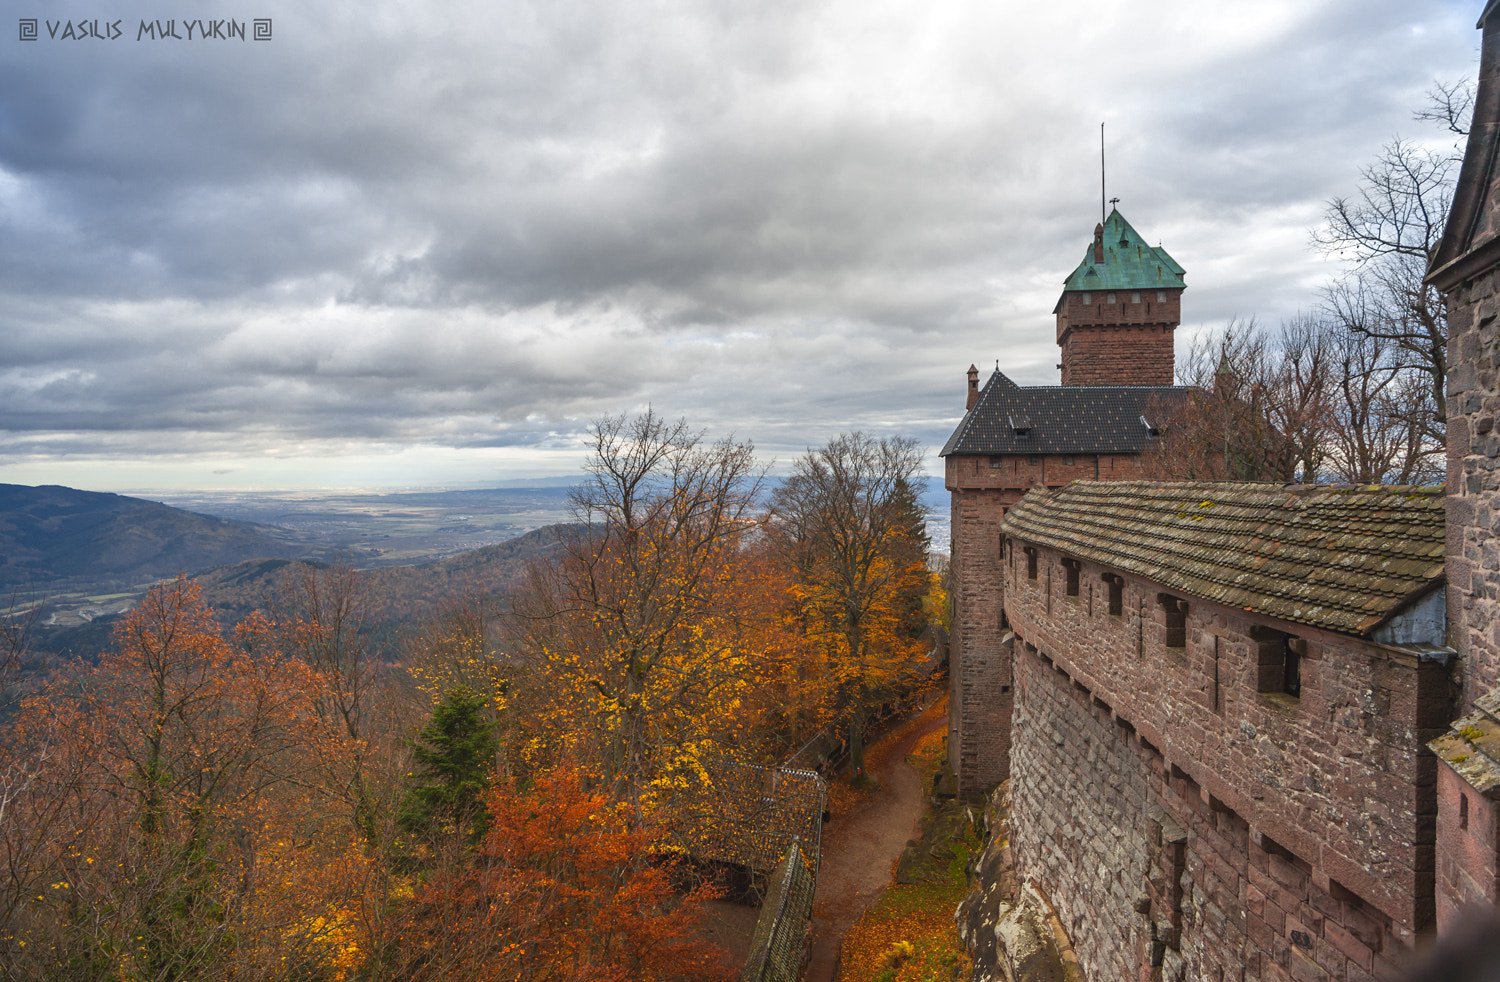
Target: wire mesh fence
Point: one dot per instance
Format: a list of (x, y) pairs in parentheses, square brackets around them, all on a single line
[(780, 937), (767, 822)]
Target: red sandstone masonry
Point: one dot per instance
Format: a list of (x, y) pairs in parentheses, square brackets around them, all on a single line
[(1118, 356), (1474, 482), (1468, 848), (1128, 342), (1307, 824), (1467, 268), (979, 660)]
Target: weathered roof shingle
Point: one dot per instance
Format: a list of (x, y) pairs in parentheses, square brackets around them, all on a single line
[(1059, 419), (1342, 558)]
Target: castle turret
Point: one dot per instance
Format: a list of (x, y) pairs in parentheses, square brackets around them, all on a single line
[(1118, 311)]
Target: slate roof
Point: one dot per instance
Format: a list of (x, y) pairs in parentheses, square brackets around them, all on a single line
[(1129, 263), (1343, 558), (1059, 419)]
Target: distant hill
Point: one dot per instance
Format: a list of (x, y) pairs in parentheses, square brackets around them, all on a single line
[(399, 597), (52, 536), (396, 593)]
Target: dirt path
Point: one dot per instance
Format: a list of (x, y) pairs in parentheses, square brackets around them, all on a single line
[(861, 846)]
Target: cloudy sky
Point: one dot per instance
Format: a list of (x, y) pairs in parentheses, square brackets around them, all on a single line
[(404, 244)]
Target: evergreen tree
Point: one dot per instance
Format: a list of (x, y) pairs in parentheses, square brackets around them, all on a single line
[(455, 755), (909, 545)]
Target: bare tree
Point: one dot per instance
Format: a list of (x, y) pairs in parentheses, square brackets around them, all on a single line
[(1310, 402), (1451, 104), (1387, 232), (1381, 405), (1255, 409)]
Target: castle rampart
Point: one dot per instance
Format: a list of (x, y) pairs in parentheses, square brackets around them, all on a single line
[(1187, 802)]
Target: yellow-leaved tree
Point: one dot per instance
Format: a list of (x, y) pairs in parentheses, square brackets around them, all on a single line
[(634, 632), (848, 518)]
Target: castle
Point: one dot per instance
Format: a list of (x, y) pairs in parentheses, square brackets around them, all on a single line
[(1115, 323), (1251, 731)]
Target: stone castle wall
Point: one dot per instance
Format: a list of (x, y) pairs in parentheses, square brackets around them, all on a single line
[(1124, 337), (1468, 849), (1473, 482), (1137, 307), (1118, 355), (1185, 821), (979, 675), (979, 657)]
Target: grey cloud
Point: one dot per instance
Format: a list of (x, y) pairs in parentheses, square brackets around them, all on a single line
[(391, 226)]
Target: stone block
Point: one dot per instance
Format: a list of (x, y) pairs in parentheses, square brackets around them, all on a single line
[(1351, 947)]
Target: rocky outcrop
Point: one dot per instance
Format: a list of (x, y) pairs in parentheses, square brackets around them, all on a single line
[(1010, 930)]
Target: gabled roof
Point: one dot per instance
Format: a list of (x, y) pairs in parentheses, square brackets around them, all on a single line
[(1059, 419), (1342, 558), (1129, 263)]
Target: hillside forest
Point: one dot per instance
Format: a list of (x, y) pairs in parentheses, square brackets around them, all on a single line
[(506, 799)]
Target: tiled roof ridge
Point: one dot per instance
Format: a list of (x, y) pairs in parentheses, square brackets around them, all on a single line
[(1337, 556), (1097, 388)]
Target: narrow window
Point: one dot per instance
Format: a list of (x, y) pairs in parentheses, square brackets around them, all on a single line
[(1085, 298), (1071, 565), (1116, 593), (1291, 675), (1030, 563), (1110, 298), (1135, 296), (997, 460), (1218, 691), (1161, 296), (1278, 662), (1176, 620), (1067, 461), (1463, 811), (1034, 460)]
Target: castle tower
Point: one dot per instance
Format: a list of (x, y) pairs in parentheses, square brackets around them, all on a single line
[(1118, 310)]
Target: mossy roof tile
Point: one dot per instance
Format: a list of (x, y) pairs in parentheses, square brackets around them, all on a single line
[(1342, 558)]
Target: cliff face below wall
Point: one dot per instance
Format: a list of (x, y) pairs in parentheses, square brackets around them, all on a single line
[(1010, 932)]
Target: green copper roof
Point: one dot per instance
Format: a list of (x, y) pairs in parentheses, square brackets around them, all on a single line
[(1129, 263)]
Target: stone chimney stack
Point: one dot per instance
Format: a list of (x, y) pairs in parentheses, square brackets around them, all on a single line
[(973, 388)]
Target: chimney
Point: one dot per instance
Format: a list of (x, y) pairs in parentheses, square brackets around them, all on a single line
[(1098, 244), (973, 388)]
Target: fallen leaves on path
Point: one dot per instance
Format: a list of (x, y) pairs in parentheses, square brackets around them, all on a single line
[(909, 935)]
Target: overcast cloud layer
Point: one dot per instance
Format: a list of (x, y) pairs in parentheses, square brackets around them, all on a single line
[(397, 245)]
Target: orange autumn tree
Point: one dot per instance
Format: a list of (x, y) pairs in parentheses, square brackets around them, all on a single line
[(196, 844), (565, 889), (847, 518)]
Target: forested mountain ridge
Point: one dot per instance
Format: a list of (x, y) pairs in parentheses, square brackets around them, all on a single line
[(54, 536), (396, 593), (396, 597)]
